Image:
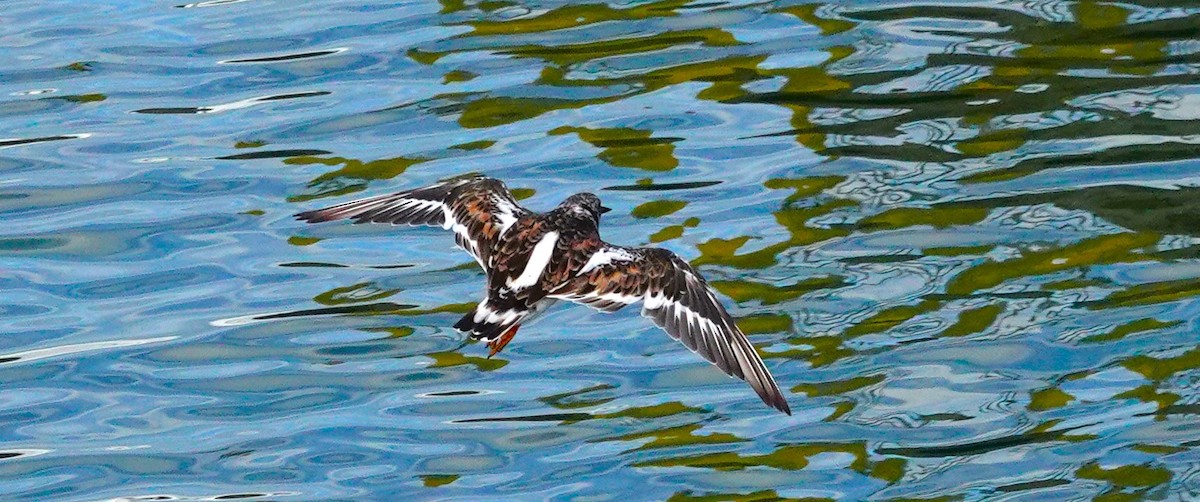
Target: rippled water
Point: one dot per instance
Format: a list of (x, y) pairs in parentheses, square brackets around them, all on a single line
[(963, 234)]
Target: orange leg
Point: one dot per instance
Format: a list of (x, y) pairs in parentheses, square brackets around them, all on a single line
[(498, 344)]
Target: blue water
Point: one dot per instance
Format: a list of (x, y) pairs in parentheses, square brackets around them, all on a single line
[(962, 234)]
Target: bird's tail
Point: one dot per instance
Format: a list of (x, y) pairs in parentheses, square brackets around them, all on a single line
[(487, 324)]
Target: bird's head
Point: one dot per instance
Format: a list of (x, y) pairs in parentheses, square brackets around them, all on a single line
[(584, 206)]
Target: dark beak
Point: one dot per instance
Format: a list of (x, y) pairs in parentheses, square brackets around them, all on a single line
[(604, 209)]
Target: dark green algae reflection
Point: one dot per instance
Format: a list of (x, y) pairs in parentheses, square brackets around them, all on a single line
[(963, 236), (964, 167)]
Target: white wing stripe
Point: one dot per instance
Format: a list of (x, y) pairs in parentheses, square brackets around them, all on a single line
[(708, 330), (506, 214), (610, 297), (538, 260), (386, 205), (405, 205), (604, 257), (464, 235)]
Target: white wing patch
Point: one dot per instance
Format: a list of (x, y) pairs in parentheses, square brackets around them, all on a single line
[(538, 260), (506, 213), (464, 235), (425, 205), (608, 302), (422, 206), (605, 256), (684, 315), (383, 207)]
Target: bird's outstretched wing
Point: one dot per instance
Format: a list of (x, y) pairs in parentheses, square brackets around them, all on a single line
[(479, 210), (680, 302)]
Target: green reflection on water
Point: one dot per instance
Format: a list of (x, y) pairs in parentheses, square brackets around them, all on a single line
[(758, 496), (1048, 399), (765, 323), (451, 359), (890, 318), (458, 76), (573, 16), (767, 294), (1129, 328), (657, 208), (820, 350), (1127, 482), (564, 56), (351, 177), (974, 320), (357, 293), (935, 217), (436, 480), (624, 147), (1094, 251), (793, 219), (1150, 293), (789, 457), (84, 98), (674, 231), (683, 435), (837, 387)]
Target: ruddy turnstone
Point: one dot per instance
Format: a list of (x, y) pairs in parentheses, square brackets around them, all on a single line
[(533, 260)]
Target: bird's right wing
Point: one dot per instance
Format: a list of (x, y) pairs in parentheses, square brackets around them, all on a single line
[(479, 210), (680, 302)]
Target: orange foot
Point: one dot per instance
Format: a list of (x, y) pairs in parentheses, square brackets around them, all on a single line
[(498, 344)]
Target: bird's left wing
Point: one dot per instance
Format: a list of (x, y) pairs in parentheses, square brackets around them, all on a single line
[(680, 302), (479, 210)]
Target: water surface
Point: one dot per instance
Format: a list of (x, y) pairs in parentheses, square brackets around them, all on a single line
[(963, 234)]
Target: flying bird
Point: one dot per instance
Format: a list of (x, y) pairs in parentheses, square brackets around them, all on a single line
[(533, 260)]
